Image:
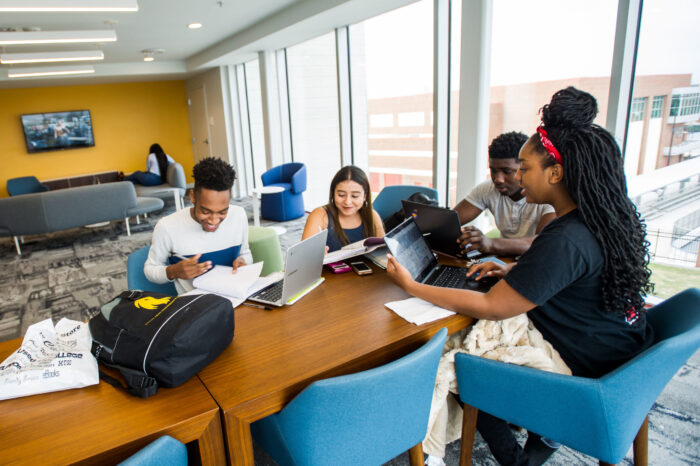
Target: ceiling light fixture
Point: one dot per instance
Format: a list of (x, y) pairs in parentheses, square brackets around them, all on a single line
[(67, 5), (194, 25), (149, 54), (51, 57), (56, 37), (49, 71)]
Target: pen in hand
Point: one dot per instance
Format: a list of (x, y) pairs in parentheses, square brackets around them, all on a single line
[(259, 306)]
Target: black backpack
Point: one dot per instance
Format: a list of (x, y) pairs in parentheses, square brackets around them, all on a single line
[(154, 339)]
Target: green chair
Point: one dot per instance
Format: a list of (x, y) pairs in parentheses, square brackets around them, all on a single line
[(265, 246)]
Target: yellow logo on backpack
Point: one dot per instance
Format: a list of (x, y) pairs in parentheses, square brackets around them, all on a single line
[(151, 303)]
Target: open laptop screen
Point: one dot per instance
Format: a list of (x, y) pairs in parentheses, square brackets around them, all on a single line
[(407, 245)]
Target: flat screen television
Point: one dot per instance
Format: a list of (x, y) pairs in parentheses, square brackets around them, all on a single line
[(57, 130)]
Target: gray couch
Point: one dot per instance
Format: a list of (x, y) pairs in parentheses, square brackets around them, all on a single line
[(63, 209), (174, 187)]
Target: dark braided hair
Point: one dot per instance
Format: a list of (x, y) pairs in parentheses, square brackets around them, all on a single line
[(213, 173), (594, 177), (161, 158), (507, 145)]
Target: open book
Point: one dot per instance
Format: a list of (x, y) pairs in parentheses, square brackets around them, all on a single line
[(234, 286), (354, 249)]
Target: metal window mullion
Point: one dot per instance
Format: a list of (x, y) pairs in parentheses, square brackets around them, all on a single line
[(270, 109), (629, 14), (474, 94), (342, 55), (284, 106), (234, 132), (441, 98), (246, 134)]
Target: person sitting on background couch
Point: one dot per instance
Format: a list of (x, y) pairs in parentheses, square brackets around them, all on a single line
[(156, 168)]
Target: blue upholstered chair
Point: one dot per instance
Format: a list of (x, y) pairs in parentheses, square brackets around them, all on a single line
[(135, 278), (25, 185), (288, 204), (364, 418), (389, 198), (166, 451), (599, 417)]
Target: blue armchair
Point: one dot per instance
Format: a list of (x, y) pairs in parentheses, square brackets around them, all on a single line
[(288, 204), (136, 279), (389, 198), (364, 418), (25, 185), (598, 417), (166, 451)]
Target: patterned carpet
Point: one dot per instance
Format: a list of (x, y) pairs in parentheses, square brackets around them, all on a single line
[(72, 273)]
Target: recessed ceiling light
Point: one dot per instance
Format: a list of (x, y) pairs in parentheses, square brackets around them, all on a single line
[(49, 71), (194, 25), (48, 57), (67, 5), (148, 58), (56, 37)]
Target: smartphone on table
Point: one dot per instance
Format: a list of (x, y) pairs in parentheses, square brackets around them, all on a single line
[(338, 267), (361, 268)]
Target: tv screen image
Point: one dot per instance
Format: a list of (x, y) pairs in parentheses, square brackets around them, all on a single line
[(57, 130)]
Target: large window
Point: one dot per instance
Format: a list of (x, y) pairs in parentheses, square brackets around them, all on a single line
[(662, 148), (255, 118), (391, 66), (574, 47), (313, 103)]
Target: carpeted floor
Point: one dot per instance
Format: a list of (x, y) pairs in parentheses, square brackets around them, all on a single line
[(72, 273)]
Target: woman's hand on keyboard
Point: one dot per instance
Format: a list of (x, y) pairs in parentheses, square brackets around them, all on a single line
[(487, 269)]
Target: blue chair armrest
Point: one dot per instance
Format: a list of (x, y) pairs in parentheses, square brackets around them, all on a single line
[(299, 180), (273, 175)]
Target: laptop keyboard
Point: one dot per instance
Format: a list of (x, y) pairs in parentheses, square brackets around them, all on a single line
[(272, 293), (448, 277)]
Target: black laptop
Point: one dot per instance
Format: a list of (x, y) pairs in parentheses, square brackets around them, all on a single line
[(439, 225), (410, 248)]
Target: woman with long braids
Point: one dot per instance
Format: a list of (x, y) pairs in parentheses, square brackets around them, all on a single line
[(583, 280), (348, 215), (156, 168)]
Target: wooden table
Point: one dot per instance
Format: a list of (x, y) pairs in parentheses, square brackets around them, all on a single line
[(339, 328), (101, 424)]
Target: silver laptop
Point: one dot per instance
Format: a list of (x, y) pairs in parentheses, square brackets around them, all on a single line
[(302, 270)]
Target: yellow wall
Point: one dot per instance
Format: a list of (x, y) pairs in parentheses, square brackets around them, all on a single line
[(126, 119)]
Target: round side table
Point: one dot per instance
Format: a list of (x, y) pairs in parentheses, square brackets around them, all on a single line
[(257, 192)]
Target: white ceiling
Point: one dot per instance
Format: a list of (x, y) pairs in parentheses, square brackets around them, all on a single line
[(233, 31)]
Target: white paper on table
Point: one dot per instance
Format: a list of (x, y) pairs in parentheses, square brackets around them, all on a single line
[(418, 311), (50, 359), (220, 283), (222, 280)]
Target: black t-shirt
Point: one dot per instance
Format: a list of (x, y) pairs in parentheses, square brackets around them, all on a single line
[(561, 273)]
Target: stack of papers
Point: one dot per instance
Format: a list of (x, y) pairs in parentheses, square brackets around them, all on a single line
[(237, 286), (417, 311)]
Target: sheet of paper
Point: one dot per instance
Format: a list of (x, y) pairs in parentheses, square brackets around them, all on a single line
[(257, 285), (222, 281), (417, 311)]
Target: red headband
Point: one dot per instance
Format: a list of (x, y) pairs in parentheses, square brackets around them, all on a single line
[(548, 146)]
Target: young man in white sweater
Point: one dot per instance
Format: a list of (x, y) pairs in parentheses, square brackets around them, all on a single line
[(190, 241)]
